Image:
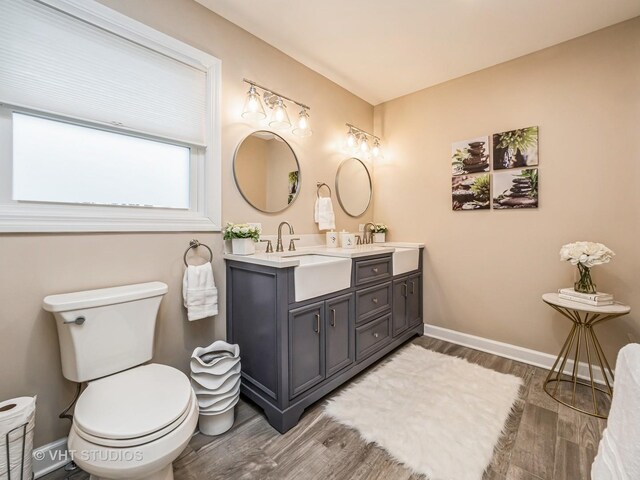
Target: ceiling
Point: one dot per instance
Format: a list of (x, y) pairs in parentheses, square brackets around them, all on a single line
[(381, 49)]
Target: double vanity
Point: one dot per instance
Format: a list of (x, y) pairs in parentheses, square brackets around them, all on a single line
[(308, 321)]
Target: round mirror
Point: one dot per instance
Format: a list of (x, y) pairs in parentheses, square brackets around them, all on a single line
[(266, 171), (353, 186)]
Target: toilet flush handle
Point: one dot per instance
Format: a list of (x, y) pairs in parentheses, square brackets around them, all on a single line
[(78, 320)]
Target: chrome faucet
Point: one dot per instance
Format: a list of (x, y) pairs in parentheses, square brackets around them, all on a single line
[(367, 234), (279, 247)]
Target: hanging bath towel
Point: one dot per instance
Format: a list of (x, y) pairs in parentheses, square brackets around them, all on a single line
[(199, 292), (324, 216)]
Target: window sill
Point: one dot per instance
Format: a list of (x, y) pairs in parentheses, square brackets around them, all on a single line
[(18, 221)]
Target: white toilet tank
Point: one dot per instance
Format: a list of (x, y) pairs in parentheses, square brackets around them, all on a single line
[(105, 331)]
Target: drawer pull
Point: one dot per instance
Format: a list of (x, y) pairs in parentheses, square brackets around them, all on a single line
[(374, 300), (317, 329), (375, 269), (333, 317), (413, 288), (376, 334), (404, 290)]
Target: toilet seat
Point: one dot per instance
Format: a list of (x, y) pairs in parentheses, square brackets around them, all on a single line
[(133, 407)]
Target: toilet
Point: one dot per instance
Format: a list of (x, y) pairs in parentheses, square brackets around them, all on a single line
[(134, 418)]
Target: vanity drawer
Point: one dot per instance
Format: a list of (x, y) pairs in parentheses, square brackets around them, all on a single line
[(368, 271), (372, 301), (372, 336)]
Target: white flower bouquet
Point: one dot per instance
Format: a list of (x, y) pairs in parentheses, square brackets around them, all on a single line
[(585, 255), (379, 228), (241, 230)]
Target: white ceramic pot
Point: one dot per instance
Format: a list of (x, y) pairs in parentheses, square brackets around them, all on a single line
[(216, 424), (220, 407), (215, 377), (379, 237), (215, 382), (243, 246)]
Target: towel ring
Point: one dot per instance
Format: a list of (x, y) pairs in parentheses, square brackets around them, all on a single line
[(320, 185), (193, 244)]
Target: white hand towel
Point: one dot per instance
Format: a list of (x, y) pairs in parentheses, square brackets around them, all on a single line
[(323, 215), (618, 455), (199, 292)]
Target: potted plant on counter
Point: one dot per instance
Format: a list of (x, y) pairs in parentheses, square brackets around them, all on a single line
[(379, 232), (243, 237)]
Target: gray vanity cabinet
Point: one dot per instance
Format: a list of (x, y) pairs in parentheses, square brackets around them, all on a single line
[(339, 314), (295, 353), (320, 342), (407, 302), (306, 347)]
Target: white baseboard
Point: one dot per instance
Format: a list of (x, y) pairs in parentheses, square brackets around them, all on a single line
[(520, 354), (50, 457)]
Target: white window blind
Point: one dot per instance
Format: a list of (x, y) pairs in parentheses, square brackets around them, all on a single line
[(50, 61)]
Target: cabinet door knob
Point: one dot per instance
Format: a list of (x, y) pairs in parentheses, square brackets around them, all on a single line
[(333, 317), (317, 329), (374, 300), (404, 289), (413, 288), (375, 269), (376, 334)]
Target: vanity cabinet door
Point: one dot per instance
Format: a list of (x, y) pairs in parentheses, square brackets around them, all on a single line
[(339, 333), (306, 348), (400, 319), (414, 300)]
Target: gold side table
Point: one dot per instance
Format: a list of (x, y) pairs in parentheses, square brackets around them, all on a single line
[(582, 337)]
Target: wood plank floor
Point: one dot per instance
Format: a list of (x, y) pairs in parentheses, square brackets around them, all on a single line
[(543, 440)]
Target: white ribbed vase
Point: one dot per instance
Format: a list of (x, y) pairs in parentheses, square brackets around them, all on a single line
[(215, 377)]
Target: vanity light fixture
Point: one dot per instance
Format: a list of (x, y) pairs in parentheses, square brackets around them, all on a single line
[(363, 145), (351, 139), (253, 109), (358, 142), (375, 151), (279, 116), (302, 126)]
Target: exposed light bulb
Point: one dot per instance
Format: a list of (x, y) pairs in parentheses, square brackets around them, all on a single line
[(279, 117), (364, 145), (302, 127), (375, 151), (253, 109), (351, 139)]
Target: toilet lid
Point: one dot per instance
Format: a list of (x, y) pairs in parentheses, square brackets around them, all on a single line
[(133, 403)]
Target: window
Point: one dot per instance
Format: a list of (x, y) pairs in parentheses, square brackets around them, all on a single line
[(105, 124), (74, 164)]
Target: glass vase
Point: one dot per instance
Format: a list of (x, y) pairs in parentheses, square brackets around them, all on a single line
[(585, 283)]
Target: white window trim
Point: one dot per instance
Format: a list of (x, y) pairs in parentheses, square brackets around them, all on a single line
[(205, 215)]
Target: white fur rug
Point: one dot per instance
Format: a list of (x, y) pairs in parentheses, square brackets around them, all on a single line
[(439, 415)]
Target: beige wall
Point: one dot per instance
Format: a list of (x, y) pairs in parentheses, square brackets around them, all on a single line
[(33, 266), (485, 270)]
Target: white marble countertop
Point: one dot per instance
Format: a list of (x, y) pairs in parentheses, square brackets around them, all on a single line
[(287, 259)]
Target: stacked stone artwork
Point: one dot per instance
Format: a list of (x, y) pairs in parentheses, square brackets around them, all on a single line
[(477, 161), (513, 184), (471, 192), (521, 191)]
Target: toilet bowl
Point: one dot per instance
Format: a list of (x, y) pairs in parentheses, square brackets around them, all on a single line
[(134, 418), (134, 424)]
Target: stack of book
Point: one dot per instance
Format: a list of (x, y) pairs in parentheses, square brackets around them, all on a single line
[(596, 299)]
